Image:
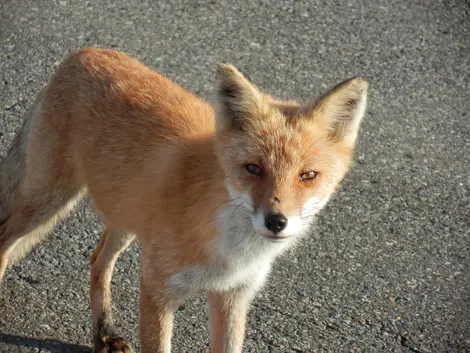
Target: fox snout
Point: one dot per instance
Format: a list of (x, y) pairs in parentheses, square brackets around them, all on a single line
[(275, 222), (276, 226)]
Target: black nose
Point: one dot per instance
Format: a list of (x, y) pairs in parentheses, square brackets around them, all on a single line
[(275, 222)]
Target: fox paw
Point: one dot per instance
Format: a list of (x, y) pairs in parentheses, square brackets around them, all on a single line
[(114, 344)]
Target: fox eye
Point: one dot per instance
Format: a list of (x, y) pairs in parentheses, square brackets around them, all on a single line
[(306, 176), (253, 169)]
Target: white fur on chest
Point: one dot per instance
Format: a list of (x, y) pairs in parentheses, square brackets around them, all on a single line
[(239, 257)]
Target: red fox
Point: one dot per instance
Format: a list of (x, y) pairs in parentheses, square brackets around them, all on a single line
[(213, 195)]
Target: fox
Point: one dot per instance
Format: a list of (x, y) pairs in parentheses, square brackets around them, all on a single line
[(214, 192)]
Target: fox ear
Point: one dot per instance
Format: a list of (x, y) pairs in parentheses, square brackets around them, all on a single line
[(343, 108), (237, 98)]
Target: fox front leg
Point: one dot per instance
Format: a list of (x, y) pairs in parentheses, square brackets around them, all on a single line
[(227, 318)]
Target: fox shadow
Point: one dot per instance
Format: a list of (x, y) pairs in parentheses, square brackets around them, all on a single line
[(50, 345)]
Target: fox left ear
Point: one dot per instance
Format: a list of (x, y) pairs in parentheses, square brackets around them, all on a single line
[(343, 108), (237, 98)]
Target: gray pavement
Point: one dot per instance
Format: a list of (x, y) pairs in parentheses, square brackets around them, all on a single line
[(387, 269)]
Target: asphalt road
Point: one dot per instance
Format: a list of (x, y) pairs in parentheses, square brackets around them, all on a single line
[(387, 269)]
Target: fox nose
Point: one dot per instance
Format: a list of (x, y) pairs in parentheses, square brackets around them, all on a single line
[(275, 222)]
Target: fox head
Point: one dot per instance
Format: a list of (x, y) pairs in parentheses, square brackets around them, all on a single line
[(283, 160)]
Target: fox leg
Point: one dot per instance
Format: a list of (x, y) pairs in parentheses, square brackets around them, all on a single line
[(156, 320), (103, 259), (228, 312), (227, 317), (38, 183), (33, 215), (158, 302)]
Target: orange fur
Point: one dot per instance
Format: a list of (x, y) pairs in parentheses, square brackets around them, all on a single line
[(161, 163)]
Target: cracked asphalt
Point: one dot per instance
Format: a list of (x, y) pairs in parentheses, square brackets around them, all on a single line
[(387, 268)]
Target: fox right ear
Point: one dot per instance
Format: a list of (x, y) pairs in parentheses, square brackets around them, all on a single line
[(237, 98)]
